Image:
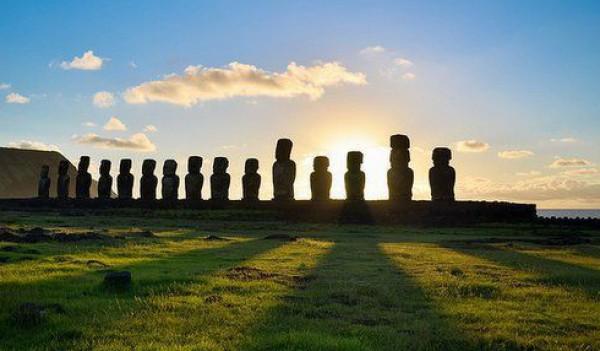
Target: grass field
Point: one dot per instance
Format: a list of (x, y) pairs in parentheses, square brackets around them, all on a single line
[(334, 288)]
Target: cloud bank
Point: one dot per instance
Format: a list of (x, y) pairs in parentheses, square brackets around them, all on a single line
[(515, 154), (199, 83), (87, 62), (136, 142), (33, 145), (569, 162), (472, 146), (14, 98), (115, 124), (104, 99)]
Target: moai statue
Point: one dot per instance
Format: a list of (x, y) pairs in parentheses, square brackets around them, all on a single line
[(83, 181), (170, 181), (250, 180), (354, 178), (194, 179), (442, 176), (400, 176), (149, 181), (284, 171), (320, 179), (125, 180), (64, 181), (44, 183), (220, 179), (105, 181)]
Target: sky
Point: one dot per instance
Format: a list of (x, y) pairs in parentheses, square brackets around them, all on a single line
[(512, 87)]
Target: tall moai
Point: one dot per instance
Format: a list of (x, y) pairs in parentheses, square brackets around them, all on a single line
[(284, 171), (125, 180), (400, 177), (442, 176), (354, 178), (250, 180), (149, 181), (220, 179), (44, 183), (105, 181), (320, 179), (170, 181), (83, 181), (64, 181), (194, 179)]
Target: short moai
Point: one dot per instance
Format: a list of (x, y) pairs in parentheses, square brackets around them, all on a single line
[(170, 181), (442, 176), (149, 181), (250, 180), (63, 182), (44, 183), (220, 179), (320, 179), (194, 179), (83, 181), (400, 177), (284, 171), (105, 181), (354, 178), (125, 180)]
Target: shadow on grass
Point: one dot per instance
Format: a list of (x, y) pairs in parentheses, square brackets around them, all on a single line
[(551, 272), (89, 306), (357, 300)]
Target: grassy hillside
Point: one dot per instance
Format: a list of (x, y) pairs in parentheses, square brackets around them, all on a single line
[(332, 288)]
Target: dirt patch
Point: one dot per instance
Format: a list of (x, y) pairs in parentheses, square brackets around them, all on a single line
[(283, 237), (215, 238), (244, 273), (96, 263), (213, 299)]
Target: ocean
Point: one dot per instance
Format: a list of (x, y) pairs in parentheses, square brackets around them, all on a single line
[(569, 213)]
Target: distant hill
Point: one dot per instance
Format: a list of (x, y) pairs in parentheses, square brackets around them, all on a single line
[(20, 172)]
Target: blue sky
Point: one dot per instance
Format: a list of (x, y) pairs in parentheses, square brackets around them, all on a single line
[(512, 76)]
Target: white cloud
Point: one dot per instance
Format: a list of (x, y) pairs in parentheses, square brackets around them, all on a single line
[(515, 154), (202, 84), (14, 98), (33, 145), (88, 62), (104, 99), (150, 128), (4, 86), (136, 142), (581, 172), (114, 124), (373, 50), (89, 124), (409, 76), (472, 146), (564, 140), (569, 162), (132, 64), (402, 62), (528, 174)]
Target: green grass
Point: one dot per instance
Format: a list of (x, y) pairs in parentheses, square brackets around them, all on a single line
[(335, 288)]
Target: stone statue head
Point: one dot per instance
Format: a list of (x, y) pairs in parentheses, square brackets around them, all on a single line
[(399, 157), (125, 166), (84, 164), (105, 167), (148, 167), (63, 168), (44, 171), (220, 165), (283, 150), (399, 141), (441, 156), (251, 166), (321, 163), (194, 164), (169, 168), (354, 160)]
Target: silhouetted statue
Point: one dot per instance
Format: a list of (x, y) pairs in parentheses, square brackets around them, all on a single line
[(220, 179), (250, 180), (170, 181), (105, 181), (442, 176), (149, 181), (64, 181), (44, 183), (83, 181), (320, 179), (194, 179), (125, 180), (354, 178), (284, 171), (400, 177)]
